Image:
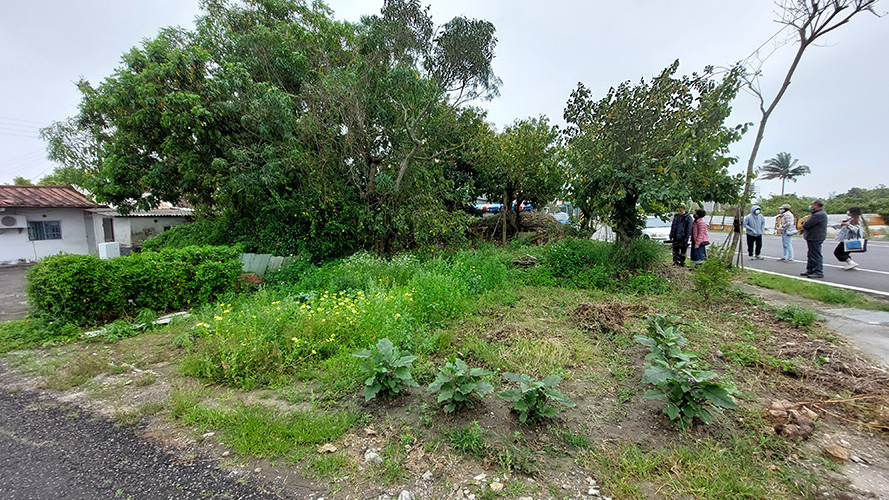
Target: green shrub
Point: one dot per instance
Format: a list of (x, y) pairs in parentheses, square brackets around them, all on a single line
[(571, 256), (594, 277), (387, 371), (797, 315), (458, 385), (532, 399), (713, 276), (437, 296), (690, 392), (75, 288), (641, 253), (83, 289)]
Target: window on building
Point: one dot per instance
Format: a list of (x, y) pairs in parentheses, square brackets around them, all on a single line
[(44, 230)]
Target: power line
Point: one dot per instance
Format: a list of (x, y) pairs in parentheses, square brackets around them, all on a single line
[(20, 120), (19, 126), (22, 157), (18, 135), (23, 131)]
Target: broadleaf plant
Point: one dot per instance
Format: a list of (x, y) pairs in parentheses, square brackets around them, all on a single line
[(690, 392), (533, 398), (458, 385), (386, 369)]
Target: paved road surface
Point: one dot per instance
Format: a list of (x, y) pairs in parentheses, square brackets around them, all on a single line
[(48, 453), (872, 275)]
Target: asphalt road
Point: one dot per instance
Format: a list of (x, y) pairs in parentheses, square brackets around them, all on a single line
[(872, 275), (48, 452)]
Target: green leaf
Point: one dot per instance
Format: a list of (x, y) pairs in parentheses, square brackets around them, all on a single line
[(551, 381), (672, 411), (510, 395), (656, 374), (719, 397)]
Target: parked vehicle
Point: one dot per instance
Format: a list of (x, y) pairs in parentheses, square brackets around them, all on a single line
[(656, 229)]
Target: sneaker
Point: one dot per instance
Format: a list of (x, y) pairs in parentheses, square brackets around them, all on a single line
[(758, 258), (816, 276), (851, 265), (782, 260), (806, 274)]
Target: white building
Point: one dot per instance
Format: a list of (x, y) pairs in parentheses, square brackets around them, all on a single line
[(132, 229), (38, 221)]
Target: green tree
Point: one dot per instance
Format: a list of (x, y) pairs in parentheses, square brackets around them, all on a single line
[(289, 131), (21, 181), (643, 148), (522, 164), (783, 166)]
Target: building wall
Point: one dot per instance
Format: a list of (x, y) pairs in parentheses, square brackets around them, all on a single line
[(130, 232), (142, 228), (15, 246)]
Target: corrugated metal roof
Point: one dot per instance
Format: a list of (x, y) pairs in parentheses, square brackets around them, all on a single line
[(157, 212), (42, 197)]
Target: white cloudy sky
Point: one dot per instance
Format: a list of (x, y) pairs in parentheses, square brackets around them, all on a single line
[(834, 117)]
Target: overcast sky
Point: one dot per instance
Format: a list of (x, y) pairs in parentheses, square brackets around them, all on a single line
[(834, 117)]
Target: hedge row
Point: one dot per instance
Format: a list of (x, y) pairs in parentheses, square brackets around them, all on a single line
[(84, 289)]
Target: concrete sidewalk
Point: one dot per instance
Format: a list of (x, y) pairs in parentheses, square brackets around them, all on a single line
[(869, 330), (13, 299)]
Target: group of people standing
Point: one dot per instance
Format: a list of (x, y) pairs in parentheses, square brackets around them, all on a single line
[(685, 228)]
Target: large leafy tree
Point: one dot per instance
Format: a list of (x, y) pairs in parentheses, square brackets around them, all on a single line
[(289, 129), (784, 167), (522, 164), (644, 147)]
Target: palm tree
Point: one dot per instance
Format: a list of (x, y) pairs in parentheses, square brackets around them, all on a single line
[(783, 167)]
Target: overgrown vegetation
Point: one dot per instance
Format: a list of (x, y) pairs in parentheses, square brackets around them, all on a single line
[(279, 378)]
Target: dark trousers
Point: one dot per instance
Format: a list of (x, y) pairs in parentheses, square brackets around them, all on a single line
[(699, 254), (679, 251), (754, 241), (840, 252), (814, 259)]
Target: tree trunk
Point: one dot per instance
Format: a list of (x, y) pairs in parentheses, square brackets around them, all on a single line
[(505, 213)]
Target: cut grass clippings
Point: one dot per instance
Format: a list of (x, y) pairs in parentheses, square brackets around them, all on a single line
[(815, 291)]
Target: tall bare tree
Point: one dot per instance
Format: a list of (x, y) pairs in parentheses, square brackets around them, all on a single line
[(807, 21)]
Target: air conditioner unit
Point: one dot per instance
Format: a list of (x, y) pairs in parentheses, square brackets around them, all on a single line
[(13, 222)]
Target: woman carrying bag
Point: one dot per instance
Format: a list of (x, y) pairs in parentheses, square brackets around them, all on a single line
[(786, 223), (852, 231)]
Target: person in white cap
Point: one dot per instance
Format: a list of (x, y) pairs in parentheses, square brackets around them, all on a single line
[(786, 222)]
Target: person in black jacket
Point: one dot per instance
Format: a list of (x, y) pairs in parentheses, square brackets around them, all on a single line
[(680, 232), (815, 228)]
